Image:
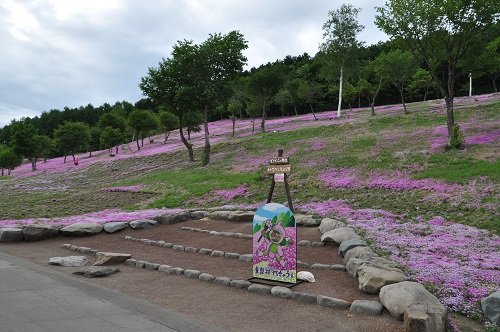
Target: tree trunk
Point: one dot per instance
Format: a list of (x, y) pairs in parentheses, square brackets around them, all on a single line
[(372, 104), (142, 141), (263, 121), (312, 110), (73, 155), (64, 159), (450, 117), (188, 145), (189, 134), (426, 91), (340, 91), (33, 165), (90, 154), (137, 141), (253, 125), (350, 107), (282, 111), (494, 82), (295, 108), (116, 149), (401, 93), (234, 123), (206, 154), (167, 133), (9, 170)]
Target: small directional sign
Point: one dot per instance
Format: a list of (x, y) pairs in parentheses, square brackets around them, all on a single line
[(278, 161)]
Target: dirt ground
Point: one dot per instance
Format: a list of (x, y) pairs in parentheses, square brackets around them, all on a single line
[(226, 307)]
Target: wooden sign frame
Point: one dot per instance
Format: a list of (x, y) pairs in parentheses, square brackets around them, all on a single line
[(274, 163)]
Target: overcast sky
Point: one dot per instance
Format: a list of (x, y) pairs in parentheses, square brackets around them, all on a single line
[(57, 53)]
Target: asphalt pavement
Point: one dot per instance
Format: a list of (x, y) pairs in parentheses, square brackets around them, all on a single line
[(36, 298)]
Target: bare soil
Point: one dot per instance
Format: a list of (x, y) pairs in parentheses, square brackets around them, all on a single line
[(226, 307)]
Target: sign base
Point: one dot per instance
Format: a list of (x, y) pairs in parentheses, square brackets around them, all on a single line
[(274, 282)]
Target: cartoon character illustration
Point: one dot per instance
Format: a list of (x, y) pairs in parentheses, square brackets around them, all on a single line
[(272, 240)]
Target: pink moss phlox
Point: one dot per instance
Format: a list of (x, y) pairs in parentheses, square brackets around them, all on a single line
[(460, 261), (100, 217), (485, 138), (340, 178), (318, 145), (229, 194)]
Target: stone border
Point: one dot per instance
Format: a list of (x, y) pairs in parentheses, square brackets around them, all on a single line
[(305, 243), (364, 307), (230, 255)]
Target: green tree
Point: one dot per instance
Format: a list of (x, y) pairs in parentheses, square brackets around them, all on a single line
[(72, 137), (283, 98), (9, 159), (421, 81), (397, 68), (169, 121), (350, 94), (193, 122), (113, 119), (142, 121), (438, 33), (264, 83), (253, 109), (95, 139), (310, 92), (234, 107), (340, 34), (27, 142), (111, 137)]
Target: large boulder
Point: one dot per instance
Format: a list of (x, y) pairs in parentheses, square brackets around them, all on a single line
[(174, 218), (372, 279), (328, 224), (40, 232), (420, 317), (110, 258), (491, 307), (397, 297), (350, 244), (340, 235), (81, 229), (244, 216), (306, 220), (69, 261), (359, 252), (115, 226), (142, 224), (11, 234)]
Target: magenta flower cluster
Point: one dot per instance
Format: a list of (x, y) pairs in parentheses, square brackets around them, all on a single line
[(229, 194), (460, 263), (100, 217), (351, 178)]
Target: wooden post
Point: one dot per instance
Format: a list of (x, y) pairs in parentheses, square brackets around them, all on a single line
[(287, 188)]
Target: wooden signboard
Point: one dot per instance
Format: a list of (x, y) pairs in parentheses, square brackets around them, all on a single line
[(280, 168), (273, 169)]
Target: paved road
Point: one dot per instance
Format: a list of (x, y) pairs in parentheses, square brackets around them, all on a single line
[(36, 298)]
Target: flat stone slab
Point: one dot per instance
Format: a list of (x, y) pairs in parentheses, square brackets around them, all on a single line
[(115, 226), (246, 257), (332, 302), (143, 223), (232, 255), (110, 258), (223, 281), (69, 261), (242, 284), (96, 271), (338, 267), (165, 268), (245, 216), (81, 229), (305, 297), (365, 307), (205, 251), (261, 289), (40, 232), (319, 266), (282, 292), (174, 218), (206, 277), (350, 244), (194, 274), (217, 253), (11, 234), (151, 266)]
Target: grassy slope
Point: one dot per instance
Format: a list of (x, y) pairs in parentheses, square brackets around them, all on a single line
[(368, 145)]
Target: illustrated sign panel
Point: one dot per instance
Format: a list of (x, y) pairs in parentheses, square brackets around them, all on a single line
[(275, 243), (279, 177)]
